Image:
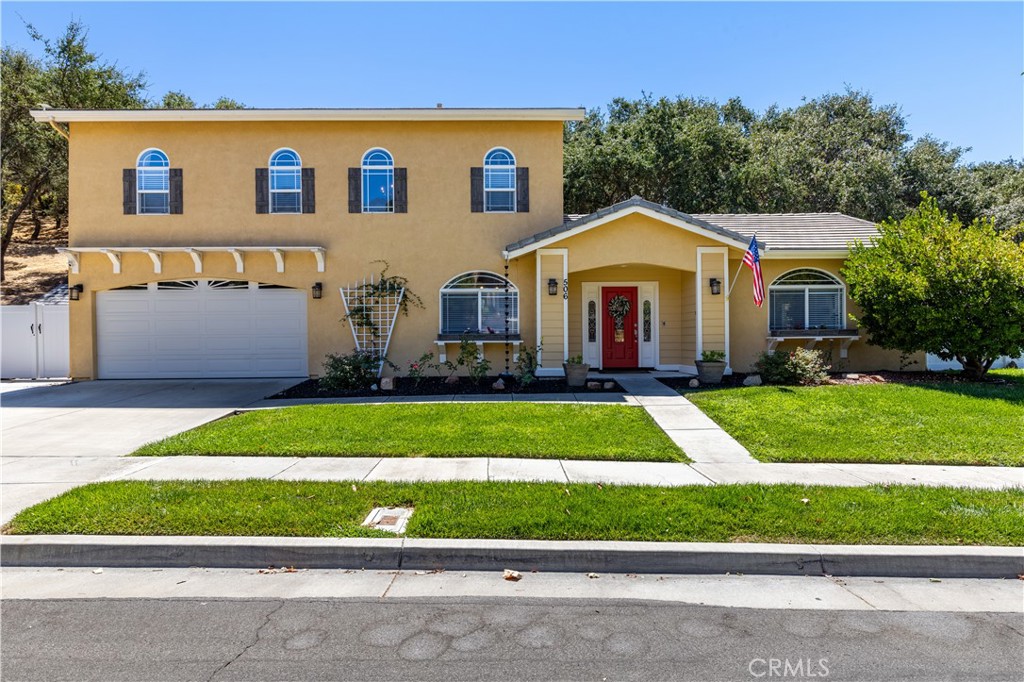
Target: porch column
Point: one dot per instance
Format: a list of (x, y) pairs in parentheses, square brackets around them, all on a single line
[(552, 311), (713, 309)]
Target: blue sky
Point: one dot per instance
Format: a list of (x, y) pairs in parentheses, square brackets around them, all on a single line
[(954, 69)]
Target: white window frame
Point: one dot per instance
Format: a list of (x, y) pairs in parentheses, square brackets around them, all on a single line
[(502, 190), (838, 287), (140, 170), (365, 169), (448, 288), (270, 181)]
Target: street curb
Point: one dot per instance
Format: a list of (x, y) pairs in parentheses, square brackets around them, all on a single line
[(522, 555)]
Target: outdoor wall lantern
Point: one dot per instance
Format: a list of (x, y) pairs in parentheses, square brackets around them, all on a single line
[(318, 290), (75, 292), (552, 287), (716, 286)]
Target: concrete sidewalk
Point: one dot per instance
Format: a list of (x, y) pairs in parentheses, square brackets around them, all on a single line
[(669, 474)]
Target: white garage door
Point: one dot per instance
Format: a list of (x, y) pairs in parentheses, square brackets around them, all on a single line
[(201, 328)]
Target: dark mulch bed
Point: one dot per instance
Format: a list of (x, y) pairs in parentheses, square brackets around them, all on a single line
[(437, 386), (846, 378)]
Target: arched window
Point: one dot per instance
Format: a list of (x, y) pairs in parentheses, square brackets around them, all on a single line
[(806, 299), (285, 182), (476, 302), (152, 182), (499, 181), (378, 181)]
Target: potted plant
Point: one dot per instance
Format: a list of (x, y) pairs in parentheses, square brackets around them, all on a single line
[(575, 371), (711, 366)]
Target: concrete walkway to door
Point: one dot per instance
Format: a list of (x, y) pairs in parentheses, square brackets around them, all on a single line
[(703, 440)]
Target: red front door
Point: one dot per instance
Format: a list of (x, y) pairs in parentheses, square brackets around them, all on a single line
[(619, 333)]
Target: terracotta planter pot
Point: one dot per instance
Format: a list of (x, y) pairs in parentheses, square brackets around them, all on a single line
[(710, 372), (575, 375)]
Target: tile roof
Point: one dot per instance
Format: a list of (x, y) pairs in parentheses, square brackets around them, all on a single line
[(636, 202), (795, 231), (775, 231)]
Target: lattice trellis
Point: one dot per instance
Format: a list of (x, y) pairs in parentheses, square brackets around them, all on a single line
[(371, 313)]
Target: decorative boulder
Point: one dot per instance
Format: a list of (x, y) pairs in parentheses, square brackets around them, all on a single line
[(498, 385), (593, 385), (854, 377), (609, 385), (694, 383), (752, 380), (452, 380), (373, 387), (387, 384)]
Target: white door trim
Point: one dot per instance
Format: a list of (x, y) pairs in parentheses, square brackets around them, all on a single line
[(649, 354)]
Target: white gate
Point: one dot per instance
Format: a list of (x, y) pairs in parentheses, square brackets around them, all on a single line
[(35, 341)]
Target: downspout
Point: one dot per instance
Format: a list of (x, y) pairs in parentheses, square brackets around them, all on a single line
[(60, 131)]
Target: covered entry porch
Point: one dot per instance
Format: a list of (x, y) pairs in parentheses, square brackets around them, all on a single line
[(629, 289)]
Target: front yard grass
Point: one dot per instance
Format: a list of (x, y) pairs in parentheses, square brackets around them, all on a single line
[(597, 432), (539, 511), (928, 423)]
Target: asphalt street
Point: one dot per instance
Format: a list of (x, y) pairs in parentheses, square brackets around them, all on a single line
[(495, 639)]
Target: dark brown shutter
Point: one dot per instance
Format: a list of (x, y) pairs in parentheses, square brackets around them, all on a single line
[(308, 190), (522, 190), (401, 190), (177, 196), (262, 190), (476, 190), (128, 179), (355, 203)]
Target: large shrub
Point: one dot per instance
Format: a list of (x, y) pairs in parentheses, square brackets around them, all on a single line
[(803, 367), (932, 284)]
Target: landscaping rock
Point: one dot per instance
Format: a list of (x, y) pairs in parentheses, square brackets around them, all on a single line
[(752, 380), (514, 576), (387, 384), (609, 385), (452, 380), (855, 377), (593, 385), (374, 387), (694, 383), (498, 385)]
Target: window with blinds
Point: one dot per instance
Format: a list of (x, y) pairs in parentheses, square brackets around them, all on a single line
[(806, 299), (479, 303), (499, 181), (153, 183), (285, 182)]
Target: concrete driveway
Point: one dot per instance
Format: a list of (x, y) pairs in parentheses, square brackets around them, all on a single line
[(56, 437)]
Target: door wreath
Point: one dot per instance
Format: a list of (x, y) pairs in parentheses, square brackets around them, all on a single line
[(618, 308)]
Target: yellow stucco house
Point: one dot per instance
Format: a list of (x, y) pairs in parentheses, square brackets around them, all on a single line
[(212, 243)]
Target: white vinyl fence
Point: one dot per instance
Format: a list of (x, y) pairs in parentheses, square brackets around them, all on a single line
[(35, 343), (935, 363)]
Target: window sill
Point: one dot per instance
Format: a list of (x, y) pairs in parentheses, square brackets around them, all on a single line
[(498, 337), (812, 333)]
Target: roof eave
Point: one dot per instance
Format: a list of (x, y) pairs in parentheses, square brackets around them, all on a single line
[(212, 115)]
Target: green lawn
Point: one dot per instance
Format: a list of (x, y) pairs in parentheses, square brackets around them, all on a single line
[(943, 423), (608, 432), (724, 513)]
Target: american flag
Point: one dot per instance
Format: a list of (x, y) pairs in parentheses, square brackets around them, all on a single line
[(753, 261)]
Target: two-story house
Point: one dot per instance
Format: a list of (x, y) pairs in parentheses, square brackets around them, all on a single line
[(217, 243)]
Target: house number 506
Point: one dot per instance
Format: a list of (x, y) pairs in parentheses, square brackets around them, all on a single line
[(565, 288)]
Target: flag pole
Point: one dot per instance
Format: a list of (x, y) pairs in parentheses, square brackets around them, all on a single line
[(732, 283)]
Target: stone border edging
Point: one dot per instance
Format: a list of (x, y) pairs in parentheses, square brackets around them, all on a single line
[(522, 555)]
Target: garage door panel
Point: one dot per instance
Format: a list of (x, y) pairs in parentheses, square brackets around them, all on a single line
[(224, 304), (129, 325), (200, 332), (234, 325), (279, 344)]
